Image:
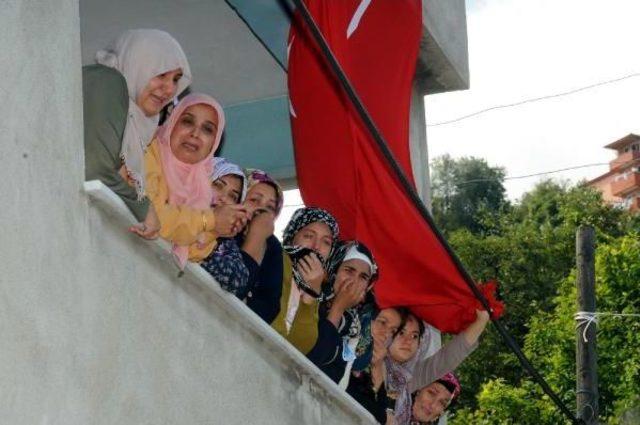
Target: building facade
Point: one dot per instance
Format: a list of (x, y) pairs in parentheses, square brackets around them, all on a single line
[(621, 184), (98, 327)]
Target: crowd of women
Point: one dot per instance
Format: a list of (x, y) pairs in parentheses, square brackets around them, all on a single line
[(157, 155)]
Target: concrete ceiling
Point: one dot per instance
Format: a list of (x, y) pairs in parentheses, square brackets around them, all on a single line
[(237, 53), (227, 60)]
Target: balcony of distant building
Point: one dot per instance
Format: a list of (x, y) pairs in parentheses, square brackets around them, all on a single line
[(621, 184)]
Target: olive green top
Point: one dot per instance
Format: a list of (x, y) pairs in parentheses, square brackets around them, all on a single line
[(105, 108)]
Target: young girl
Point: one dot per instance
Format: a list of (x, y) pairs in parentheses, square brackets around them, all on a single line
[(366, 384), (178, 165), (123, 93), (407, 369)]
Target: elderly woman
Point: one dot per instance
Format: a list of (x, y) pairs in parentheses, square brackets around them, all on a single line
[(133, 79), (178, 166)]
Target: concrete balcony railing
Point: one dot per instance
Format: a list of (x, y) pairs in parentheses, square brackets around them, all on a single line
[(624, 159), (219, 362), (627, 185)]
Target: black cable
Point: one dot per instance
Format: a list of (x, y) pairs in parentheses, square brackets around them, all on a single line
[(535, 99), (382, 145)]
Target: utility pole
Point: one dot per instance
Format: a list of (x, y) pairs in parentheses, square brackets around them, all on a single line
[(586, 356)]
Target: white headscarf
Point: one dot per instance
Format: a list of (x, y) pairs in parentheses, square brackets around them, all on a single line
[(222, 167), (140, 55)]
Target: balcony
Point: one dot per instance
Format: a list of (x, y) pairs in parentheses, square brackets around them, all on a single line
[(627, 185), (623, 159)]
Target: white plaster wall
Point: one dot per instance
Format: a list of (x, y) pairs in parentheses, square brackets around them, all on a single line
[(96, 327)]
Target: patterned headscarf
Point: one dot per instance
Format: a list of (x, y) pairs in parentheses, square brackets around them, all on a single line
[(305, 216), (139, 55), (399, 375), (301, 218), (222, 167), (351, 326), (451, 383), (344, 251), (255, 176)]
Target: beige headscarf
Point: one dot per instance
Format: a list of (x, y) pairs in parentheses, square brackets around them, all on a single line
[(140, 55)]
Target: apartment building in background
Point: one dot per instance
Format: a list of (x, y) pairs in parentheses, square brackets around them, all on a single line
[(621, 184)]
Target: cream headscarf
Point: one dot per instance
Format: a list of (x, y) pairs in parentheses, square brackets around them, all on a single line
[(140, 55)]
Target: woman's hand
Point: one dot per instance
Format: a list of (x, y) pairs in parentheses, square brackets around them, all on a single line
[(150, 227), (391, 420), (230, 219), (261, 226), (312, 271), (349, 295), (379, 349)]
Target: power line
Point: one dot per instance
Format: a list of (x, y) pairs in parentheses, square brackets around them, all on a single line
[(535, 99), (537, 174)]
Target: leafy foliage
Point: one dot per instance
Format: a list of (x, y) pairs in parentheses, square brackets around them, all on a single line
[(530, 249), (464, 187)]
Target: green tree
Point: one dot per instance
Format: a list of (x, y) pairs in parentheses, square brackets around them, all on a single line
[(551, 345), (461, 188), (529, 249)]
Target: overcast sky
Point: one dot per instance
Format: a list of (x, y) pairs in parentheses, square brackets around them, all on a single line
[(521, 49), (525, 49)]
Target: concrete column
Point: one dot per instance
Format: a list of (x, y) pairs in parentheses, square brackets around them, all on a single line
[(418, 144)]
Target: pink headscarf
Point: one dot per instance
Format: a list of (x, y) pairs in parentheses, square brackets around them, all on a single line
[(188, 184)]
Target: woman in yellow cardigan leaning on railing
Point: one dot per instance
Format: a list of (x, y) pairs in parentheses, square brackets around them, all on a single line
[(178, 166)]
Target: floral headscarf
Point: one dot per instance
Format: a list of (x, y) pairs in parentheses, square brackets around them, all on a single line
[(255, 176), (451, 383), (222, 167)]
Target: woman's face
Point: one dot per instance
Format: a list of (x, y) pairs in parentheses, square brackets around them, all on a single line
[(194, 133), (228, 189), (405, 344), (316, 236), (386, 324), (353, 271), (261, 195), (430, 402), (158, 92)]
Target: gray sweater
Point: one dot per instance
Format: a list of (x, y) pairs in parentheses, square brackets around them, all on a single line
[(445, 360)]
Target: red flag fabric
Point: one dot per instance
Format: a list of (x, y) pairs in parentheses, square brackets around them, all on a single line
[(338, 165)]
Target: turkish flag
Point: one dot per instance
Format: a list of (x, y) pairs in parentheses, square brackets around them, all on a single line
[(338, 165)]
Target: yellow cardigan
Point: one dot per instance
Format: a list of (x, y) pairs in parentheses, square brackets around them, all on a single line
[(304, 329), (181, 225)]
